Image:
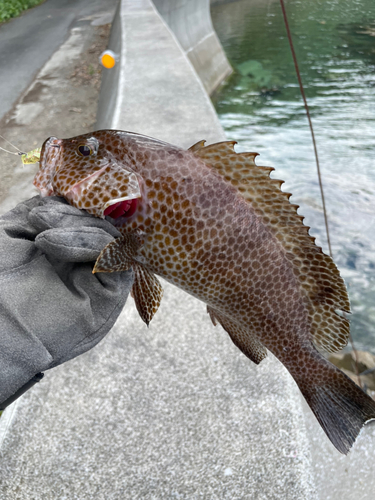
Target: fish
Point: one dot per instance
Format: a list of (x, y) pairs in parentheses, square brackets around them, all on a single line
[(213, 223)]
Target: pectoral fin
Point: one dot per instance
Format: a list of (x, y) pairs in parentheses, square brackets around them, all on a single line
[(147, 292), (243, 339), (118, 255)]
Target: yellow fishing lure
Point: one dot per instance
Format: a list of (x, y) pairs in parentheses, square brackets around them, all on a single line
[(31, 157)]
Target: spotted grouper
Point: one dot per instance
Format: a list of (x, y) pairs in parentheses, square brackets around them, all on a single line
[(213, 223)]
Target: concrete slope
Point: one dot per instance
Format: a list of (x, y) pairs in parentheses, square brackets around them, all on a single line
[(170, 411), (191, 22)]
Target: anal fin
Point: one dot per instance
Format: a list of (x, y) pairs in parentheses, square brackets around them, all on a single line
[(243, 339)]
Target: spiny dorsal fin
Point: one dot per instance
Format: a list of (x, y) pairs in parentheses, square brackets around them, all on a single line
[(317, 274), (245, 341), (197, 145)]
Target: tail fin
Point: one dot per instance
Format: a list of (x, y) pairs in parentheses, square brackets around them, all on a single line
[(340, 406)]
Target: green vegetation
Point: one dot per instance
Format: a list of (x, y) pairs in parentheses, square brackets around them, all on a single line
[(13, 8)]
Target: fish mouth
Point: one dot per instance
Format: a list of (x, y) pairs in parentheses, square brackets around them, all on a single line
[(120, 207), (50, 154), (49, 158)]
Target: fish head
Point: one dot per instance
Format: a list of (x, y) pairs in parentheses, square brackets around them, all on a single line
[(88, 176)]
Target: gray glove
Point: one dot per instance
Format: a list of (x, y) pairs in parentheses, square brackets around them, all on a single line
[(52, 308)]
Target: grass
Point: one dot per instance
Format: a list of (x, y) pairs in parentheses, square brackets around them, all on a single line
[(13, 8)]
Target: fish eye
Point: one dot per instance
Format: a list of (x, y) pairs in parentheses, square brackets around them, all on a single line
[(85, 150)]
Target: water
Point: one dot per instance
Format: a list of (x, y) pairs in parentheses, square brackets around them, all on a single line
[(261, 107)]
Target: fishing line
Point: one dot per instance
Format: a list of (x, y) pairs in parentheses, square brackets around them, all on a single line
[(27, 158), (10, 152), (356, 361), (309, 120), (13, 146)]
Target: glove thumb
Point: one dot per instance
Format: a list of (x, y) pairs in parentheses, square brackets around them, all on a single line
[(82, 244)]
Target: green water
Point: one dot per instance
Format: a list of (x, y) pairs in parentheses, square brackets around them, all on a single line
[(260, 106)]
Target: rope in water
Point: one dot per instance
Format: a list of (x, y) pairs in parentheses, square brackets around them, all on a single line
[(309, 120)]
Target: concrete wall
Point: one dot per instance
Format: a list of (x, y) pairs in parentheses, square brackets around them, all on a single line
[(190, 21)]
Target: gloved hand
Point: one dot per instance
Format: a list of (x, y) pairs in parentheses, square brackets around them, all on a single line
[(52, 308)]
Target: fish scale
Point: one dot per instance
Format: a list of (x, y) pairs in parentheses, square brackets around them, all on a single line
[(213, 223)]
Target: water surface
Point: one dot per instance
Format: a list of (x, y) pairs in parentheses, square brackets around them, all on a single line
[(261, 107)]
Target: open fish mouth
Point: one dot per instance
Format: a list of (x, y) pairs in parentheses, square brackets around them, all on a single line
[(124, 207)]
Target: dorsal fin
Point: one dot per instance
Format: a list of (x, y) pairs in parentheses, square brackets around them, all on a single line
[(316, 272), (197, 145)]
